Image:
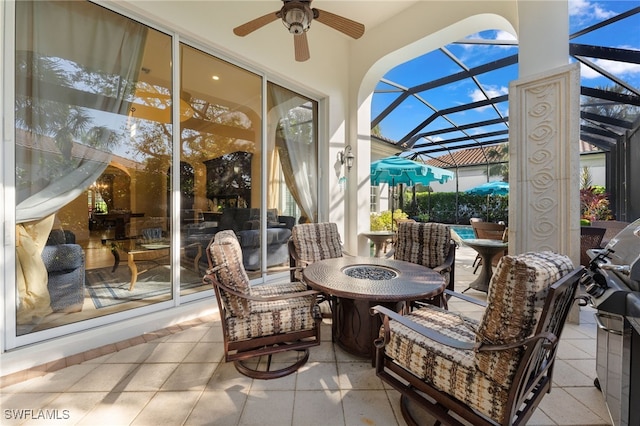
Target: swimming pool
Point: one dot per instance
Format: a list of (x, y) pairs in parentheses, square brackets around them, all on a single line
[(462, 232)]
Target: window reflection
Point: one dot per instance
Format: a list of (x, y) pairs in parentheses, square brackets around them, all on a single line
[(94, 155)]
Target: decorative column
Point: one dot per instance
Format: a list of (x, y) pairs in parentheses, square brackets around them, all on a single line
[(544, 162)]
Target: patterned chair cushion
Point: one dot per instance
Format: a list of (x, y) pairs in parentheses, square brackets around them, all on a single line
[(451, 370), (268, 318), (317, 241), (516, 296), (481, 379), (227, 256), (426, 244)]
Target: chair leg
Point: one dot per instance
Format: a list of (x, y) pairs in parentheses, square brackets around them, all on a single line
[(255, 373)]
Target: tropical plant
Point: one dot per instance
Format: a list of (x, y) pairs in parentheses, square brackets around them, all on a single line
[(499, 157), (594, 204), (383, 221)]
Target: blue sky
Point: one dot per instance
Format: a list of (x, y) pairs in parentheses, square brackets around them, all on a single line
[(583, 13)]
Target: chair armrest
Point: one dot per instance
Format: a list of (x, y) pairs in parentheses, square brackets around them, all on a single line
[(426, 332), (465, 298), (447, 340)]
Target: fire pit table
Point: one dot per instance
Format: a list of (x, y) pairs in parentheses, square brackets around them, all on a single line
[(359, 283)]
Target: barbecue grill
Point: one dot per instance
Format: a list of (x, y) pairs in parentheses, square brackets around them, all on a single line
[(613, 288)]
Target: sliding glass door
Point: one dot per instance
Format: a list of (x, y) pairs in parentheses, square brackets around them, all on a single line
[(95, 165)]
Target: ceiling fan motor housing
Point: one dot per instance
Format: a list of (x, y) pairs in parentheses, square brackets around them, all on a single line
[(297, 17)]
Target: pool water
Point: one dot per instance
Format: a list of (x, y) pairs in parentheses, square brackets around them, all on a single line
[(462, 232)]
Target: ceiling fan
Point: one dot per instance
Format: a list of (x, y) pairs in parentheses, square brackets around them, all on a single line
[(296, 16)]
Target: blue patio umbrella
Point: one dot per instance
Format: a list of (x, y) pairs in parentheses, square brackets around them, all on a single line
[(397, 170), (490, 188)]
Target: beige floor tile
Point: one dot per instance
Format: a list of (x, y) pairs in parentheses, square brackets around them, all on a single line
[(226, 377), (189, 377), (168, 408), (117, 409), (573, 349), (220, 408), (57, 381), (193, 334), (206, 352), (133, 354), (272, 408), (367, 407), (171, 352), (318, 376), (104, 377), (287, 382), (70, 408), (213, 334), (358, 375), (323, 353), (592, 398), (318, 408), (566, 374), (564, 409), (20, 407), (146, 377)]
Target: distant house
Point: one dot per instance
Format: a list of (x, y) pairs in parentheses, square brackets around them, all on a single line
[(470, 167)]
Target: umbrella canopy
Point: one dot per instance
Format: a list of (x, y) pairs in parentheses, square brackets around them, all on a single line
[(396, 170), (490, 188)]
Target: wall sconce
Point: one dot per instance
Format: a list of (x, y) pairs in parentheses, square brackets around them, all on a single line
[(346, 156)]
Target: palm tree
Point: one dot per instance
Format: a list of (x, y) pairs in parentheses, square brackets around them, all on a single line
[(499, 157)]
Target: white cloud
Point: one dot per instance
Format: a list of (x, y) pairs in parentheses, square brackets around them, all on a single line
[(584, 10), (492, 92), (619, 69)]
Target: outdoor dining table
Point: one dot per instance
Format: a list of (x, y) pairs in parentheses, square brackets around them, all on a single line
[(487, 249), (357, 283)]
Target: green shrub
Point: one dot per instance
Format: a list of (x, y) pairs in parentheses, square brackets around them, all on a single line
[(382, 221)]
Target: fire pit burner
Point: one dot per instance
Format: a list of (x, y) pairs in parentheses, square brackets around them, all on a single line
[(370, 272)]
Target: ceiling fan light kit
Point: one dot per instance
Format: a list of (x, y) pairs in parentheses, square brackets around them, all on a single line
[(297, 19), (296, 15)]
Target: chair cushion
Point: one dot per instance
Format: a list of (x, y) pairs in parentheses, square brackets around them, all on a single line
[(317, 241), (481, 380), (516, 296), (450, 370), (426, 244), (227, 256), (268, 318)]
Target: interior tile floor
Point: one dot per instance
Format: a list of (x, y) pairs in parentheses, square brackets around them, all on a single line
[(177, 376)]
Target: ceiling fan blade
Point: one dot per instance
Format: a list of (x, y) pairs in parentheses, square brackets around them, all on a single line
[(301, 47), (344, 25), (251, 26)]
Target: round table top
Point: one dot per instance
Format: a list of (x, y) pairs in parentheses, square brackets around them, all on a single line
[(481, 242), (410, 281)]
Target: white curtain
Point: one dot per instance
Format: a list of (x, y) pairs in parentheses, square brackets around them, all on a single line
[(292, 123), (75, 62)]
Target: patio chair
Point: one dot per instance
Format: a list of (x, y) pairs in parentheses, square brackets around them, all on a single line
[(489, 231), (263, 319), (430, 245), (489, 372), (311, 242)]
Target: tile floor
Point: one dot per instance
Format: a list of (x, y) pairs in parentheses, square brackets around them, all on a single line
[(177, 377)]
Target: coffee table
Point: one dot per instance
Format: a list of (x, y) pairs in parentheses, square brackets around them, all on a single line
[(487, 249), (358, 283), (138, 251)]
